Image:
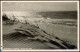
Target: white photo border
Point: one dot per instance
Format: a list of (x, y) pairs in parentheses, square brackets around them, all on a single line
[(45, 49)]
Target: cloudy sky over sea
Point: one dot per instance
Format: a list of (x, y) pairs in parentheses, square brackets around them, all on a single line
[(39, 6)]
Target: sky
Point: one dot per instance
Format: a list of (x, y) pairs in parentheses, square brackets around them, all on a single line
[(39, 6)]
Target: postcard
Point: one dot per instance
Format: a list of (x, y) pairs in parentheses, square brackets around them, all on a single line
[(40, 25)]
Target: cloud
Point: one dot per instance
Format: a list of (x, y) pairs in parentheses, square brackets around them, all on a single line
[(39, 6)]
